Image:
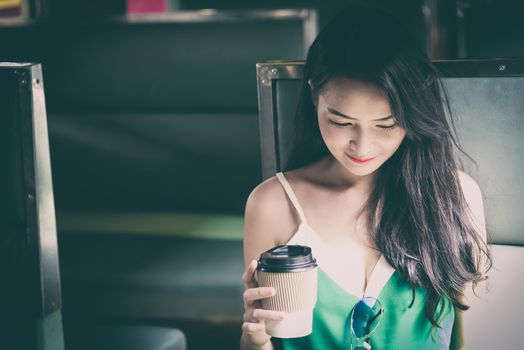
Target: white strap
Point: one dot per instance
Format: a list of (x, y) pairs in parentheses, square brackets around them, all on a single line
[(291, 195)]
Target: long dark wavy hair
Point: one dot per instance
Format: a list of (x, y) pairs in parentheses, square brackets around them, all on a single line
[(416, 214)]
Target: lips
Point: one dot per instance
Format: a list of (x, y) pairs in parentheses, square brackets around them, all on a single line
[(360, 160)]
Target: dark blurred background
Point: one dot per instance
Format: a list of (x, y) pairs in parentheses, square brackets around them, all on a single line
[(154, 140)]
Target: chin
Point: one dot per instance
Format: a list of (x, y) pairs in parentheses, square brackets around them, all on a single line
[(361, 171)]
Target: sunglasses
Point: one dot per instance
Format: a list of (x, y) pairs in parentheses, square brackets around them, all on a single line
[(364, 320)]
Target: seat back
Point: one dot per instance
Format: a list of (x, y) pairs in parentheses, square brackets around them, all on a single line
[(30, 297), (487, 107), (127, 99)]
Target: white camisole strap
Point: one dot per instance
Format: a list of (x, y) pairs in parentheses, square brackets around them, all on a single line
[(305, 235), (292, 196)]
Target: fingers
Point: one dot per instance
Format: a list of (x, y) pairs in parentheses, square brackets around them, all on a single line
[(255, 324), (266, 315), (249, 275), (252, 328), (255, 317), (254, 294), (256, 333)]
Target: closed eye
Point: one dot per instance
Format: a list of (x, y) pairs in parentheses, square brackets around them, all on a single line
[(339, 124), (387, 127), (384, 127)]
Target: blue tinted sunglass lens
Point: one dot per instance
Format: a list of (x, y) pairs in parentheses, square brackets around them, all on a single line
[(366, 316)]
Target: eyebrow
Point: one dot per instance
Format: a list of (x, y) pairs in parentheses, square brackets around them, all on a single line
[(335, 112)]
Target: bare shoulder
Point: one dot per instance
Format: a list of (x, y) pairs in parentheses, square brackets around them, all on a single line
[(268, 218), (473, 196), (470, 188), (267, 199)]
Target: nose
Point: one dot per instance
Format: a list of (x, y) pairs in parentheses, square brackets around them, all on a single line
[(360, 142)]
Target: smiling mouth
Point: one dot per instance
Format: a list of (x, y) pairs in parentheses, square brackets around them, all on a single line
[(360, 160)]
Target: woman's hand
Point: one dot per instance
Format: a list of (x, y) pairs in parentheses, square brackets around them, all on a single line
[(254, 328)]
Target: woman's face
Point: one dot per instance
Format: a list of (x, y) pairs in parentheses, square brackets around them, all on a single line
[(357, 126)]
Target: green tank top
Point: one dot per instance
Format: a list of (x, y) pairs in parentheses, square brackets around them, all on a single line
[(404, 324), (401, 327)]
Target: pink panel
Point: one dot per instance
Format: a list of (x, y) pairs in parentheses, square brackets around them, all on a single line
[(146, 6)]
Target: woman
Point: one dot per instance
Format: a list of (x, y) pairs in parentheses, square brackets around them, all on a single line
[(373, 186)]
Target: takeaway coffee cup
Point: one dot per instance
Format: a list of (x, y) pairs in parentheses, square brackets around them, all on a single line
[(292, 271)]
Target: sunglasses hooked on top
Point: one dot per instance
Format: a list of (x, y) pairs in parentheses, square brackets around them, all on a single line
[(364, 320)]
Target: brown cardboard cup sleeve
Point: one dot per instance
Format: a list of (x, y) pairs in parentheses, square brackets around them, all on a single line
[(296, 295)]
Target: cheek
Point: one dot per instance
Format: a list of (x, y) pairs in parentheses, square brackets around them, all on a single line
[(392, 143), (333, 136), (328, 133)]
